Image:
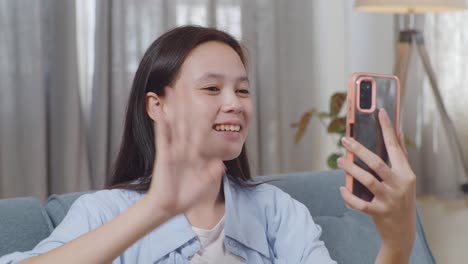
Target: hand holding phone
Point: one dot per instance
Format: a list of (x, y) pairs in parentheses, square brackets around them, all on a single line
[(379, 179), (367, 95)]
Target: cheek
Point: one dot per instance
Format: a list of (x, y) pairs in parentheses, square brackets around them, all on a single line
[(248, 111), (207, 109)]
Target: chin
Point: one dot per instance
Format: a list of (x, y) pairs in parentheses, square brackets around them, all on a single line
[(230, 154)]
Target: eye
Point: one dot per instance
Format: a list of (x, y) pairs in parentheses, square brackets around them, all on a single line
[(211, 89), (243, 92)]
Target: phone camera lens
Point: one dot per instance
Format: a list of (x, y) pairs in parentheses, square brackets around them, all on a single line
[(365, 98)]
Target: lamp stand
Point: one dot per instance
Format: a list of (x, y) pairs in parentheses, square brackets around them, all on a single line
[(407, 39)]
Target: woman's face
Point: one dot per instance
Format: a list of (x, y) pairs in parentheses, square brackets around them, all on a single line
[(215, 81)]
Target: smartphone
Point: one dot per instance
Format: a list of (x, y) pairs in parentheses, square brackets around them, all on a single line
[(368, 93)]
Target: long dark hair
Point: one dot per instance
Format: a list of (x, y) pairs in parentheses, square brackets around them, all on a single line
[(158, 68)]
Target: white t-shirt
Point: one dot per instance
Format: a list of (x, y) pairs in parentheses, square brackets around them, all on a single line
[(212, 247)]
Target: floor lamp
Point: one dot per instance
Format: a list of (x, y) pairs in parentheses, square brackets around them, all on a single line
[(409, 37)]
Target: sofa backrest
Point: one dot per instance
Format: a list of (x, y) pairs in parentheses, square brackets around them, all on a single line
[(57, 206), (23, 223), (350, 236)]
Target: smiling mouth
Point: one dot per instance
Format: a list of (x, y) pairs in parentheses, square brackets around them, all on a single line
[(227, 128)]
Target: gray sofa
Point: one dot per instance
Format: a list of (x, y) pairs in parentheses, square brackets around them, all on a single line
[(350, 236)]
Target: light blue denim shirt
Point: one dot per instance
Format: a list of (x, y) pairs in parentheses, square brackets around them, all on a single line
[(263, 224)]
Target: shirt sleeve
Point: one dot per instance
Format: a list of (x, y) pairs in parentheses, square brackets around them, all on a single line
[(294, 235), (80, 219)]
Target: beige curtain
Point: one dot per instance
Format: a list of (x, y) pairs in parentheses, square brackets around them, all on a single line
[(66, 71), (446, 38), (41, 123)]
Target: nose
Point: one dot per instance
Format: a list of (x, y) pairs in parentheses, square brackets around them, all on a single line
[(232, 104)]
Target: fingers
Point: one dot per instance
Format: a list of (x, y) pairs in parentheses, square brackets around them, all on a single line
[(364, 177), (189, 131), (163, 133), (356, 203), (392, 144), (175, 114), (371, 159), (185, 117), (181, 117)]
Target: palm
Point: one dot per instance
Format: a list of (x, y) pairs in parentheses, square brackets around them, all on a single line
[(182, 174), (181, 181)]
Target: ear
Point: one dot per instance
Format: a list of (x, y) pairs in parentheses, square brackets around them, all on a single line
[(153, 101)]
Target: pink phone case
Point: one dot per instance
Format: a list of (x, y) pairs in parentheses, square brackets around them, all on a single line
[(363, 124)]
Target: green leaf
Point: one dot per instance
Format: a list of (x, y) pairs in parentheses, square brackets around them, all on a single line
[(337, 125), (409, 143), (302, 126), (322, 115), (340, 144), (333, 160), (336, 103)]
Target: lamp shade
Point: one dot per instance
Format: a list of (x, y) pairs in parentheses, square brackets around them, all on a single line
[(410, 6)]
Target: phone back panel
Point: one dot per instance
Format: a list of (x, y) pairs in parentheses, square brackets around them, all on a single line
[(364, 126)]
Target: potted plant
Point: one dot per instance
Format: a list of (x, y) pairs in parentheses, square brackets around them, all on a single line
[(333, 120)]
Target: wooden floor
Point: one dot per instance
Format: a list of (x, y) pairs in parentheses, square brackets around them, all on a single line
[(446, 225)]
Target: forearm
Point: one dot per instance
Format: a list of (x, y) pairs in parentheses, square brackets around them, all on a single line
[(107, 242), (391, 256)]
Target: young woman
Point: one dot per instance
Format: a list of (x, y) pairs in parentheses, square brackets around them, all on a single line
[(181, 190)]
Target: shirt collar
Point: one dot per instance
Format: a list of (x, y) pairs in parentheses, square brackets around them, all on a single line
[(170, 236), (242, 223)]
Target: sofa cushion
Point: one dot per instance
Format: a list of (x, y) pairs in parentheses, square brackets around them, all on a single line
[(350, 238), (319, 191), (23, 222)]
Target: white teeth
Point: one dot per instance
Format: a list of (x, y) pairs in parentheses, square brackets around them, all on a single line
[(234, 128)]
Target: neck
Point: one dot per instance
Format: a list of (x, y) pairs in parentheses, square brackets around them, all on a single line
[(210, 209)]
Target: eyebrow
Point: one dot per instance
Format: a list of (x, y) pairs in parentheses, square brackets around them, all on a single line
[(221, 77)]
